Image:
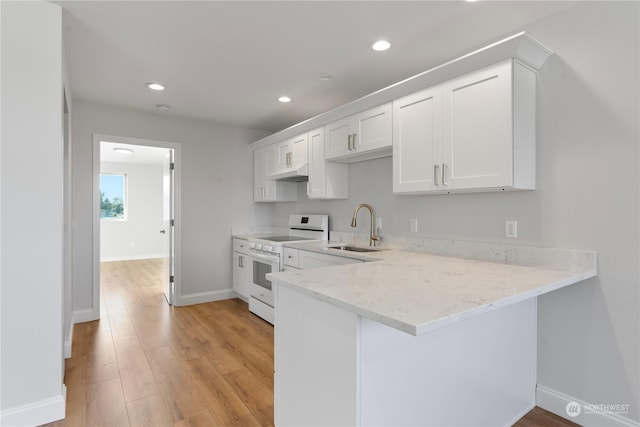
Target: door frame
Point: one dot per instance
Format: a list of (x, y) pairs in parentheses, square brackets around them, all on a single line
[(177, 211)]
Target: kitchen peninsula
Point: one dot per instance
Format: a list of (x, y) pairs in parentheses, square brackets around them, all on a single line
[(413, 338)]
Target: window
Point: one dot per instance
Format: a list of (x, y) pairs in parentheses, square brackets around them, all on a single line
[(113, 196)]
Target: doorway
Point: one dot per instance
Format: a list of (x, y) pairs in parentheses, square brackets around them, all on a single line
[(122, 167)]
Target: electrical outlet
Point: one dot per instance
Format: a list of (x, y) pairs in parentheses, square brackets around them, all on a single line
[(511, 229), (413, 225)]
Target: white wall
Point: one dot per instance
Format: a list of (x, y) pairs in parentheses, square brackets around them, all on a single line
[(587, 197), (138, 237), (32, 214), (216, 190)]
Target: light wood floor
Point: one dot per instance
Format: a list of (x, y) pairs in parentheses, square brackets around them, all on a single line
[(148, 364)]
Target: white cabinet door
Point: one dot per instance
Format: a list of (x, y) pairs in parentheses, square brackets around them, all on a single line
[(327, 180), (478, 129), (265, 190), (291, 153), (372, 129), (417, 141), (241, 274), (337, 139), (363, 136)]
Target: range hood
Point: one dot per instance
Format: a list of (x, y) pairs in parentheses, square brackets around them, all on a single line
[(293, 174)]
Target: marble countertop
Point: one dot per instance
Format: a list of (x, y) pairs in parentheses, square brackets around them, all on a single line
[(417, 292)]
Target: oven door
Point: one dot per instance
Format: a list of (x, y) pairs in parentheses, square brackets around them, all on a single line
[(263, 264)]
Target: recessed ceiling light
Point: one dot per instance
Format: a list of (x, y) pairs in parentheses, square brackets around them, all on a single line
[(155, 86), (163, 107), (381, 45), (284, 99), (325, 76), (123, 150)]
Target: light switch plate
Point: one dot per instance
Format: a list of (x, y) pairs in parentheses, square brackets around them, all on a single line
[(511, 229)]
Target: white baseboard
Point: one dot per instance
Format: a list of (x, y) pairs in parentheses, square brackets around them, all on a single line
[(130, 258), (69, 340), (36, 413), (556, 402), (202, 297), (85, 315)]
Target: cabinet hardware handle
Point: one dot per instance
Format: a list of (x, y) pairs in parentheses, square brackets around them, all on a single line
[(263, 192), (241, 262), (444, 174), (436, 174), (353, 141), (349, 142), (308, 192), (289, 256)]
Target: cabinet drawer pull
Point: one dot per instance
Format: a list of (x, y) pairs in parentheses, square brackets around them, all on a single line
[(353, 141), (444, 174), (436, 174), (241, 262), (350, 136)]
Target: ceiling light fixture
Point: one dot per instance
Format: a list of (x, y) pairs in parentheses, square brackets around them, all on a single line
[(123, 150), (325, 76), (155, 86), (163, 107), (381, 45), (284, 99)]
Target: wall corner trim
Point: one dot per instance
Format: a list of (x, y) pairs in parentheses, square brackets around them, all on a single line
[(202, 297), (556, 402)]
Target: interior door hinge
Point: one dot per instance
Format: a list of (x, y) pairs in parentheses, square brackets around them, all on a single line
[(172, 166), (170, 279), (172, 223)]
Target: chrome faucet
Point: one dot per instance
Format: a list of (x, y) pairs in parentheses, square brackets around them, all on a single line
[(372, 236)]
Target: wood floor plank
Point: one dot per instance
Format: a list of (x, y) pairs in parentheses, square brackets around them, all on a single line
[(203, 419), (106, 405), (137, 379), (150, 411), (176, 384)]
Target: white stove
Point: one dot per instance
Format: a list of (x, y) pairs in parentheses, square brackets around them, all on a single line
[(267, 253)]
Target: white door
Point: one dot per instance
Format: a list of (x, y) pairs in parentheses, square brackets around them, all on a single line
[(167, 229)]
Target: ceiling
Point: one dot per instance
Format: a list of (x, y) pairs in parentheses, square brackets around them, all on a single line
[(228, 61), (141, 154)]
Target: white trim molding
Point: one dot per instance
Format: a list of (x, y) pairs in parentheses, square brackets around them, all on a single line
[(36, 413), (86, 315), (130, 258), (557, 402), (69, 340), (202, 297)]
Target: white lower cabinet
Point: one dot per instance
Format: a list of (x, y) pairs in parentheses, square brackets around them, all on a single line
[(472, 133), (301, 259), (336, 368), (242, 268)]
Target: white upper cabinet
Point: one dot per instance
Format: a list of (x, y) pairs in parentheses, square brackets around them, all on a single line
[(472, 133), (363, 136), (264, 189), (327, 180), (292, 153)]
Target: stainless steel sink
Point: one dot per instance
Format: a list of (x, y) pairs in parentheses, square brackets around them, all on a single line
[(354, 248)]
